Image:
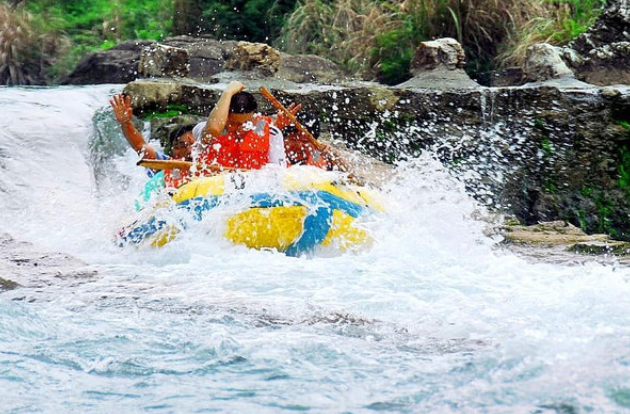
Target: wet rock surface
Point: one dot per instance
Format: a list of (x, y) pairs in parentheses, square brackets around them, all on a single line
[(561, 243), (23, 265)]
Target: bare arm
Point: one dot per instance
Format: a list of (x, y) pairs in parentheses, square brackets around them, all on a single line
[(123, 112), (336, 160), (219, 115)]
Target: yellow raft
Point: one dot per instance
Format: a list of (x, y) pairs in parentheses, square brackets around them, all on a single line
[(296, 210)]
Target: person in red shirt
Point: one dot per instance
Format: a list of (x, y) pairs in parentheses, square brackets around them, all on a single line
[(235, 136), (302, 151)]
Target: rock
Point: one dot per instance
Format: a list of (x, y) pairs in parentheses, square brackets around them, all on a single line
[(308, 69), (23, 265), (608, 65), (162, 61), (209, 60), (543, 62), (612, 26), (257, 57), (608, 247), (439, 64), (206, 55), (446, 52), (6, 284), (116, 65), (547, 233), (604, 50)]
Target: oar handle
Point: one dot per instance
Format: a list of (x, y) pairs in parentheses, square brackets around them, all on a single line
[(181, 165), (278, 105), (164, 164)]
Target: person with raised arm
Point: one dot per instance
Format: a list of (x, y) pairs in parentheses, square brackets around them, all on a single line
[(235, 136)]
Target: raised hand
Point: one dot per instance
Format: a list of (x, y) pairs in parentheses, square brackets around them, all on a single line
[(234, 87), (122, 108)]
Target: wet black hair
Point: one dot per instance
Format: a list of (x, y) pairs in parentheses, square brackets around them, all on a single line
[(176, 133), (309, 120), (243, 103)]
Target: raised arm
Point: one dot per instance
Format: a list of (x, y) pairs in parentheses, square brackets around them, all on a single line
[(219, 115), (122, 110)]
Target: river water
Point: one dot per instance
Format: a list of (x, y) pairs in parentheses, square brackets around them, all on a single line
[(432, 318)]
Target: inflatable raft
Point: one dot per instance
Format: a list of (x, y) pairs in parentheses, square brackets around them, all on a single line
[(292, 210)]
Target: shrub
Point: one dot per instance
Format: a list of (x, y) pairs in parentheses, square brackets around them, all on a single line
[(378, 38), (27, 50), (559, 22)]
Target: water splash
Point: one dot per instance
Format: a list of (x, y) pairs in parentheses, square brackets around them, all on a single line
[(431, 318)]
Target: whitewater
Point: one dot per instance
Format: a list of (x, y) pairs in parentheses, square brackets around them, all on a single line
[(434, 317)]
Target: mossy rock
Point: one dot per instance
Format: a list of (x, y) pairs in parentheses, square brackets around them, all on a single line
[(6, 284)]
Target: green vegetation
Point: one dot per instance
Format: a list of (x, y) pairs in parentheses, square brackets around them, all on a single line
[(171, 111), (624, 169), (381, 37), (251, 20), (42, 40)]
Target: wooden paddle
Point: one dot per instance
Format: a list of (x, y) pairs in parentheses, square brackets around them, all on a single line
[(165, 164), (278, 105), (181, 165)]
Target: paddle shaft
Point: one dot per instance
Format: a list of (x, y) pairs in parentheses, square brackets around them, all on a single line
[(181, 165), (278, 105)]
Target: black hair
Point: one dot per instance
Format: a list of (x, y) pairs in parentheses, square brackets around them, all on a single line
[(176, 133), (243, 103), (309, 120)]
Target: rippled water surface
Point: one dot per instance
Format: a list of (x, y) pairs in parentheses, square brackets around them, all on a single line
[(431, 318)]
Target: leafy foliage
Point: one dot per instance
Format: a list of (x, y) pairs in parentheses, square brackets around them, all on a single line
[(251, 20)]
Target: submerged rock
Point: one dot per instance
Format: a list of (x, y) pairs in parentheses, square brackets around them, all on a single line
[(23, 265)]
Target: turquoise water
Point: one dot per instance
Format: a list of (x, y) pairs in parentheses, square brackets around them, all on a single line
[(432, 318)]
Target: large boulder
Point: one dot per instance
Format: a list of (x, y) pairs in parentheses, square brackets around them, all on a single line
[(116, 65), (439, 64), (121, 64), (543, 62), (607, 65), (604, 50), (257, 57), (612, 26), (163, 61), (206, 55)]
